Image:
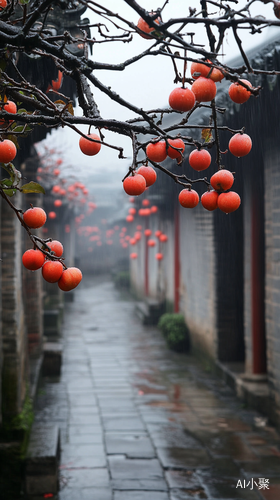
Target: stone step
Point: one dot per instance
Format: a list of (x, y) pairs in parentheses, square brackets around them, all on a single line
[(52, 359), (142, 312), (42, 460), (52, 322), (149, 311)]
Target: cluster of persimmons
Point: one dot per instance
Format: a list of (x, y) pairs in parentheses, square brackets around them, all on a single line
[(145, 211), (205, 76), (53, 270), (49, 258)]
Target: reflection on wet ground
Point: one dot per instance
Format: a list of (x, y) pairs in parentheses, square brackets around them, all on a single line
[(139, 422)]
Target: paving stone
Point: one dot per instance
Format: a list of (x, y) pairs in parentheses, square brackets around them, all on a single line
[(84, 419), (80, 439), (85, 478), (139, 484), (113, 394), (118, 413), (122, 468), (76, 429), (108, 410), (86, 462), (118, 423), (273, 493), (69, 493), (225, 488), (232, 445), (255, 439), (85, 494), (131, 445), (95, 494), (155, 418), (183, 494), (140, 495), (174, 438), (183, 458), (77, 400), (112, 386), (223, 467), (113, 402), (84, 410), (89, 455), (185, 479), (267, 451), (226, 423), (265, 467)]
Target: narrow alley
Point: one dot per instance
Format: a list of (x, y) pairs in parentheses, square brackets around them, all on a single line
[(140, 422)]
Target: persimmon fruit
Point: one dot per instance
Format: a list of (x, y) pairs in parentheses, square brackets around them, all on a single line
[(175, 143), (134, 185), (52, 271), (188, 198), (56, 247), (146, 203), (159, 256), (240, 145), (70, 278), (204, 89), (209, 200), (35, 217), (199, 159), (229, 202), (182, 99), (10, 106), (88, 147), (149, 174), (33, 259), (276, 9), (199, 69), (222, 180), (238, 93), (156, 151), (145, 28), (8, 151), (144, 212)]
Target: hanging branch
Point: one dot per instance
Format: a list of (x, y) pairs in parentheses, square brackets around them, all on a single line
[(35, 239), (217, 139)]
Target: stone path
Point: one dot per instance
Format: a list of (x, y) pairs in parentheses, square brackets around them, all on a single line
[(139, 422)]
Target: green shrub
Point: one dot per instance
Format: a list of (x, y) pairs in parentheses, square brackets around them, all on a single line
[(175, 331), (122, 279)]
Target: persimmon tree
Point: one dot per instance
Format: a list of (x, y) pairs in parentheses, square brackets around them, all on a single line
[(26, 30)]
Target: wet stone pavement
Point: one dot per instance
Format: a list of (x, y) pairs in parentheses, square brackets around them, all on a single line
[(139, 422)]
